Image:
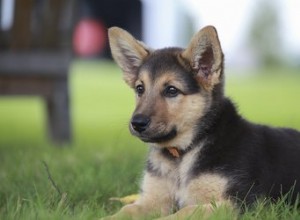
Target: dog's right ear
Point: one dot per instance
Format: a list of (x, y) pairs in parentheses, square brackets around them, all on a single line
[(128, 52)]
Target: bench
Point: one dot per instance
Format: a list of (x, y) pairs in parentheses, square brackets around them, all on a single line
[(35, 56)]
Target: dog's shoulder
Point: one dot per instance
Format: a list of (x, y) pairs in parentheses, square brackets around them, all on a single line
[(255, 158)]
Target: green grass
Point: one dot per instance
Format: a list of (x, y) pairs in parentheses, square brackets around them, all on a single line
[(104, 160)]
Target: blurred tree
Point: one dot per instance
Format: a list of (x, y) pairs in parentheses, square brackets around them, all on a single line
[(265, 37)]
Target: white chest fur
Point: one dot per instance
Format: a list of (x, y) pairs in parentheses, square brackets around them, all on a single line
[(174, 180)]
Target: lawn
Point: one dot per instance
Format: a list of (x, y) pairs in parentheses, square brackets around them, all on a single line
[(103, 160)]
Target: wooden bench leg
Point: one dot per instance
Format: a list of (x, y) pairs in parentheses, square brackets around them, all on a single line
[(58, 109)]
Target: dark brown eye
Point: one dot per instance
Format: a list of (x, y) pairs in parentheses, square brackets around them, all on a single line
[(139, 89), (171, 92)]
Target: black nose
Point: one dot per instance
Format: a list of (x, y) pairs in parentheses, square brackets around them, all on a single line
[(140, 122)]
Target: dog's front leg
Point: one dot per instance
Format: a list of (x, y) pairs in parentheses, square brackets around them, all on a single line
[(197, 211), (155, 200)]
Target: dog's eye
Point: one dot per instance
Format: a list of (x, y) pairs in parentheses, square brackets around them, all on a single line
[(171, 91), (139, 89)]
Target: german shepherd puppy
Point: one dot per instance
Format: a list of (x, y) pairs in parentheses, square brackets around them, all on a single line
[(202, 152)]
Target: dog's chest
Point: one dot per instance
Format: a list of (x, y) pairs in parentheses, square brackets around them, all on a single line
[(177, 170), (185, 187)]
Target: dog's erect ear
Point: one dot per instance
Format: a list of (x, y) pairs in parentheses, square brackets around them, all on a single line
[(205, 57), (128, 52)]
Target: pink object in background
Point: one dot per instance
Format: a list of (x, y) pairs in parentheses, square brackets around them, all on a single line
[(89, 37)]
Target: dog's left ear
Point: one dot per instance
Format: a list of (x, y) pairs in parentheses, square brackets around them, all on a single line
[(128, 52), (205, 57)]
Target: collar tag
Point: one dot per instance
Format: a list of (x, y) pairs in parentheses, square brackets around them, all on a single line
[(173, 151)]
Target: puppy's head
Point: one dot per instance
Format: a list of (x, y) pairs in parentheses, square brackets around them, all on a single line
[(174, 87)]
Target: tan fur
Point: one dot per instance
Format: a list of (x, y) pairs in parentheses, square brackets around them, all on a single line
[(205, 189), (204, 39), (196, 212), (127, 52), (201, 190), (174, 110), (160, 193), (172, 184)]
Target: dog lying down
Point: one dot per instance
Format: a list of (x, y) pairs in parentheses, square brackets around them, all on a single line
[(202, 153)]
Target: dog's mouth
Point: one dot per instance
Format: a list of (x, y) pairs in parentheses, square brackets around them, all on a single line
[(154, 137)]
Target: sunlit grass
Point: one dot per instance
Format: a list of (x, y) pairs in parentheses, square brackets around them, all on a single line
[(103, 160), (267, 96)]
